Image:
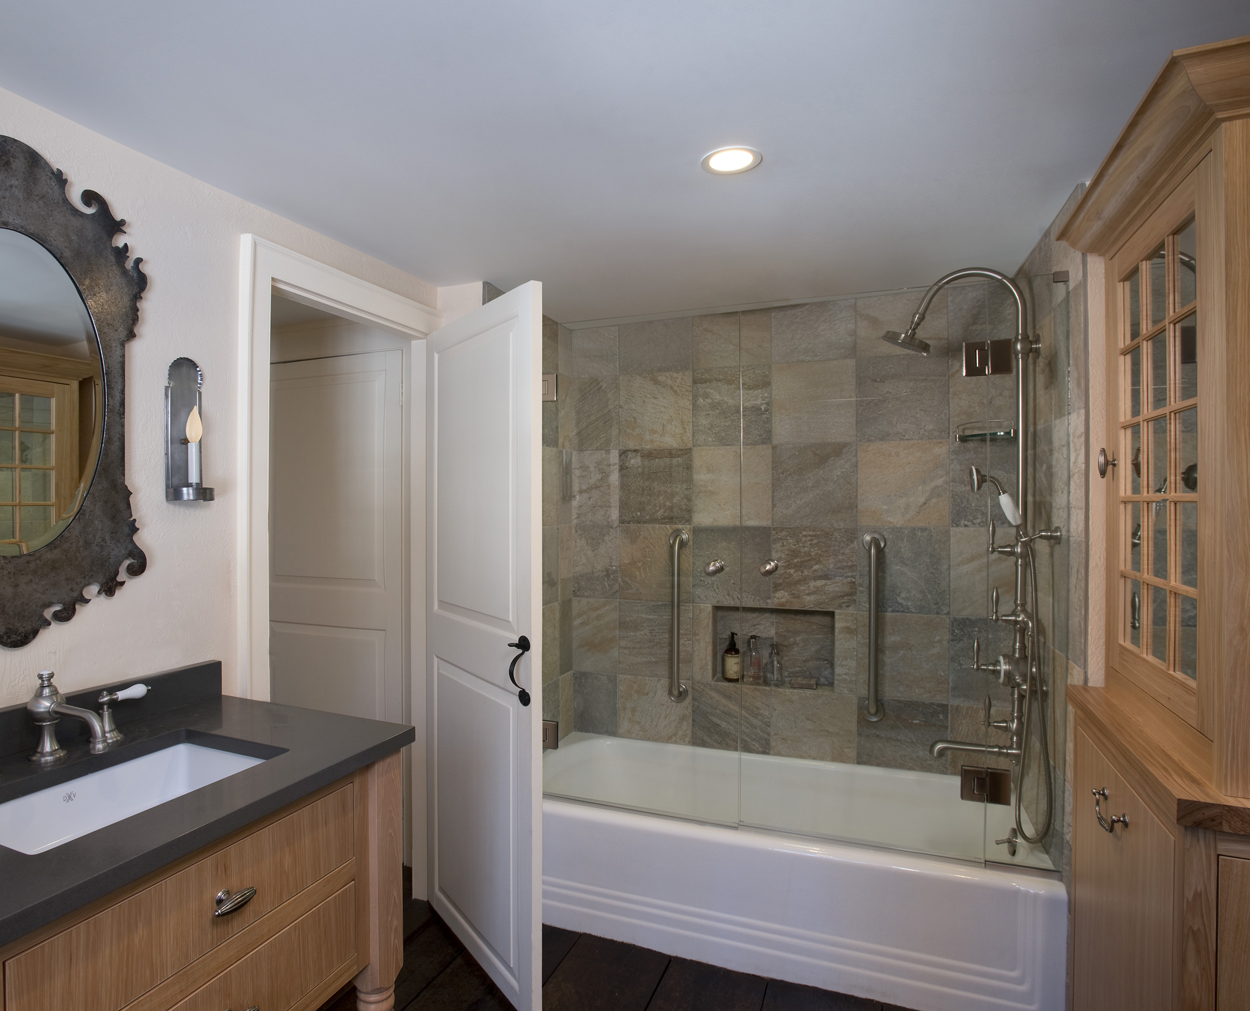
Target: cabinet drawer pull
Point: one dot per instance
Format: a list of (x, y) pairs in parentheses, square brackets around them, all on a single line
[(227, 903), (1116, 819)]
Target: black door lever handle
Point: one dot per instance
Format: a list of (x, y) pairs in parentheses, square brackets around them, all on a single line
[(523, 644)]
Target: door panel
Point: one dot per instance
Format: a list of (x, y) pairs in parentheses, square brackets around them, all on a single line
[(1121, 894), (483, 460), (336, 566)]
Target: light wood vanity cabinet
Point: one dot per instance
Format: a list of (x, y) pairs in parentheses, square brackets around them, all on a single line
[(1161, 908), (327, 910)]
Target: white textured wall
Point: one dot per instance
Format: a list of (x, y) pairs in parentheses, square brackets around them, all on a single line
[(181, 610)]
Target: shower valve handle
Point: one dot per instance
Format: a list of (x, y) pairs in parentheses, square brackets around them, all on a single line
[(978, 665), (994, 609)]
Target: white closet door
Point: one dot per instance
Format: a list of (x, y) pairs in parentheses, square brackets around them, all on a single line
[(484, 467), (336, 595)]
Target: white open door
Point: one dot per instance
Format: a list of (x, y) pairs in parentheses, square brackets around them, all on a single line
[(484, 466)]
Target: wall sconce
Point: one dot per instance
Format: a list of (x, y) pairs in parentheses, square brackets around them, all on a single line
[(184, 462)]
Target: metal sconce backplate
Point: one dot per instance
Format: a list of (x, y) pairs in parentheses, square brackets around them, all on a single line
[(182, 394)]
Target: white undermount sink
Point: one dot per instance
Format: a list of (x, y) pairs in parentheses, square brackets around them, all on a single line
[(44, 820)]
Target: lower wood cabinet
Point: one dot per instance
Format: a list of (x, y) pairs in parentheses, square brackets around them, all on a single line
[(327, 909), (1123, 892)]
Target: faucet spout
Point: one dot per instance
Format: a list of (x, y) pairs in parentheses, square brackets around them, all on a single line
[(99, 740), (938, 748)]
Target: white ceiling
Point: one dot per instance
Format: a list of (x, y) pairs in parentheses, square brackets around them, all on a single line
[(560, 140), (39, 303)]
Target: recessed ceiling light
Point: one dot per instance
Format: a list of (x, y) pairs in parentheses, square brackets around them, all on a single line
[(726, 161)]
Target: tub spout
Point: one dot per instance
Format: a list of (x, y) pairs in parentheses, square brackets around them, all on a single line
[(939, 748)]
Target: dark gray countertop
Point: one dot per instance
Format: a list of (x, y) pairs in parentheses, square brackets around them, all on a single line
[(315, 750)]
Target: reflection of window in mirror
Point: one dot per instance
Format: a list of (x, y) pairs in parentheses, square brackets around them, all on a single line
[(51, 408)]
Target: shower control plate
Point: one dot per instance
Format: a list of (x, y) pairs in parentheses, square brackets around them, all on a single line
[(986, 786)]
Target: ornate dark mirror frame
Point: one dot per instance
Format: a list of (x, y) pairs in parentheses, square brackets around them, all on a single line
[(100, 538)]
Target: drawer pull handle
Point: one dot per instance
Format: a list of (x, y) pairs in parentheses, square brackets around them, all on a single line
[(227, 903), (1116, 819)]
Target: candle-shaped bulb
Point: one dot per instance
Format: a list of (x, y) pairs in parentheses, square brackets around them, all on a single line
[(195, 427), (195, 432)]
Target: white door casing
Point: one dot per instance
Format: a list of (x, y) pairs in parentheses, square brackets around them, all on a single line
[(336, 568), (483, 554)]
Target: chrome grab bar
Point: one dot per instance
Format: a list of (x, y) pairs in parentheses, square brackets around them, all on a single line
[(874, 543), (677, 540)]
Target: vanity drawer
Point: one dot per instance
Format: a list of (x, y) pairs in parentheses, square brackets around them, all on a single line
[(108, 960), (289, 966)]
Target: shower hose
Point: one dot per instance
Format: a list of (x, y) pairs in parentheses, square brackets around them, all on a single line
[(1035, 672)]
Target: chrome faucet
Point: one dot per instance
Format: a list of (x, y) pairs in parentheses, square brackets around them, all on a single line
[(48, 705)]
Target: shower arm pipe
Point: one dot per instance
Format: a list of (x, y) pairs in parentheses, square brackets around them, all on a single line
[(874, 543), (1024, 347), (677, 540)]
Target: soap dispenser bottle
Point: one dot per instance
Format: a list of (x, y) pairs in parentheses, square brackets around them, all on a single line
[(776, 676), (731, 660), (755, 663)]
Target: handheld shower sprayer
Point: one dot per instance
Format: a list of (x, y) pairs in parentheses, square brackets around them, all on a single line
[(1005, 501)]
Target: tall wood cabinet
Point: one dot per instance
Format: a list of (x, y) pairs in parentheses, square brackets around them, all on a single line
[(1161, 777)]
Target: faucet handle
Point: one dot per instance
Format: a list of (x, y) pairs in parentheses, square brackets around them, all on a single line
[(994, 609), (978, 665), (133, 692)]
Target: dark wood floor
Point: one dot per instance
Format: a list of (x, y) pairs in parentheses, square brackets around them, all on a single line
[(582, 972)]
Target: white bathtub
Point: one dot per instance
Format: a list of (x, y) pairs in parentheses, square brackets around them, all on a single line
[(919, 931)]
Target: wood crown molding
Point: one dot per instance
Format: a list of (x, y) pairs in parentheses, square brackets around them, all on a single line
[(1196, 89)]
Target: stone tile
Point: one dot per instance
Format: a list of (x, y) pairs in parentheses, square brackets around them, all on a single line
[(566, 636), (661, 345), (551, 423), (733, 405), (715, 340), (593, 351), (967, 723), (901, 739), (969, 508), (551, 565), (966, 312), (551, 645), (655, 410), (644, 711), (551, 486), (595, 560), (646, 564), (757, 337), (551, 699), (814, 331), (742, 549), (970, 687), (551, 345), (717, 485), (814, 484), (729, 716), (594, 406), (757, 486), (915, 571), (717, 407), (974, 572), (913, 653), (875, 314), (704, 647), (564, 339), (816, 568), (814, 401), (656, 486), (646, 638), (969, 401), (565, 537), (818, 725), (595, 635), (901, 398), (904, 484), (846, 651), (566, 705), (594, 703), (596, 486), (806, 639), (566, 420)]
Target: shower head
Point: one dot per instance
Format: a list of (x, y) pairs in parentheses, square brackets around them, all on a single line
[(908, 341)]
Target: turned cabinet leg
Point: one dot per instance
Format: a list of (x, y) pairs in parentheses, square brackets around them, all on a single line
[(375, 1000)]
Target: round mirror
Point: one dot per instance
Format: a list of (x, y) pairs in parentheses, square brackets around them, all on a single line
[(51, 396)]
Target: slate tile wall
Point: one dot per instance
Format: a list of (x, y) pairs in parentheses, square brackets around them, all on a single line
[(788, 433)]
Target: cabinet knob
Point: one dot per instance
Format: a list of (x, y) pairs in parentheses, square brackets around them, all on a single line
[(1116, 819), (227, 903)]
